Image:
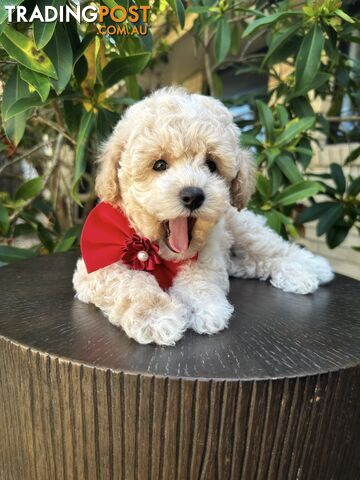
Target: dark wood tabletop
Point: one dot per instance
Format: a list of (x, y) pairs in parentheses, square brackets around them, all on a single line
[(272, 334)]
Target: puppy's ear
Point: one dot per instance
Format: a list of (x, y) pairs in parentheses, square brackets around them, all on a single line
[(107, 182), (243, 185)]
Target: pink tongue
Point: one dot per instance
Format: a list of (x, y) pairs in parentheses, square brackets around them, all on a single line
[(179, 238)]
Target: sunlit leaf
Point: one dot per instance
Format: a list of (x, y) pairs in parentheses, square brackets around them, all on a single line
[(293, 129), (264, 21), (29, 189), (222, 40), (178, 7), (308, 59), (40, 83), (22, 49), (288, 167), (296, 192), (43, 31), (15, 89)]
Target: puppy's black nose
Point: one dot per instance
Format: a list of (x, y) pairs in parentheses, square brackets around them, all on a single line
[(192, 197)]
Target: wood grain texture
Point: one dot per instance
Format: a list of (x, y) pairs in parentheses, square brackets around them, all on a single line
[(274, 397)]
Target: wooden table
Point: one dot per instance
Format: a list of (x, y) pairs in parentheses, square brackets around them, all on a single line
[(276, 396)]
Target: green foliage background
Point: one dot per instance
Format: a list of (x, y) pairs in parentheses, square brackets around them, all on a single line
[(66, 83)]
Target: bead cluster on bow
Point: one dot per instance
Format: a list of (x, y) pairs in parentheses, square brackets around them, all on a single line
[(140, 254)]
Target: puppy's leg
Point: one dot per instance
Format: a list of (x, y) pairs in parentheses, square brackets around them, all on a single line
[(134, 301), (259, 252), (203, 285)]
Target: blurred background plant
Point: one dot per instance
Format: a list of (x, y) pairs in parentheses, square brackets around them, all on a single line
[(64, 88)]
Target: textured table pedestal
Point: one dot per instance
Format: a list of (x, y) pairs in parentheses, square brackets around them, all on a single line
[(276, 396)]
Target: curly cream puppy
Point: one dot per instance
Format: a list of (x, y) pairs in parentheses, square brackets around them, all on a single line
[(174, 166)]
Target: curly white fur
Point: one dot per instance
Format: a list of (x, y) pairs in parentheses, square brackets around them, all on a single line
[(184, 129)]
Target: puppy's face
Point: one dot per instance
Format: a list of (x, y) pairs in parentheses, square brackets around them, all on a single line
[(173, 164)]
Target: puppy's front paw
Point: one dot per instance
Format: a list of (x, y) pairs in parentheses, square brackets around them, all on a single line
[(210, 315), (152, 319), (320, 267), (294, 278)]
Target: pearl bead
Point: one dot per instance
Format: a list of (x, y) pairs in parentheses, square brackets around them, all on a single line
[(142, 256)]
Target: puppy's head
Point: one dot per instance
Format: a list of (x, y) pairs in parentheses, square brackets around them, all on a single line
[(173, 164)]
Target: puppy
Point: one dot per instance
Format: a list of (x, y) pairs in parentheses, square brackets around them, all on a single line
[(174, 177)]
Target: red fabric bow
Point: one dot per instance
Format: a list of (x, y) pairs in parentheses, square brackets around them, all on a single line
[(107, 237)]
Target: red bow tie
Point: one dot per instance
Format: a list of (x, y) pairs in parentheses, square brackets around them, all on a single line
[(107, 237)]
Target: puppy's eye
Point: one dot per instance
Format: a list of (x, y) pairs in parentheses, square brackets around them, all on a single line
[(160, 165), (211, 165)]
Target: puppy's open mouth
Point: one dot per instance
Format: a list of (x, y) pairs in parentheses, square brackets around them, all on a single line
[(179, 233)]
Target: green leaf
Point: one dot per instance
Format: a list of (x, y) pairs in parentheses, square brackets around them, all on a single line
[(302, 107), (15, 89), (336, 235), (23, 50), (332, 215), (86, 126), (314, 212), (83, 46), (4, 219), (266, 119), (60, 51), (279, 40), (122, 67), (43, 31), (294, 129), (288, 167), (317, 82), (353, 156), (354, 188), (338, 177), (45, 237), (3, 12), (22, 105), (198, 9), (273, 220), (12, 254), (64, 244), (340, 13), (276, 179), (272, 154), (105, 123), (37, 82), (222, 40), (296, 192), (114, 101), (72, 113), (178, 7), (308, 59), (248, 140), (263, 186), (29, 189), (283, 115), (264, 21)]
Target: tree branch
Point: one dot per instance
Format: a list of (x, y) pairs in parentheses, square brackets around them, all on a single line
[(26, 154), (55, 127), (350, 118)]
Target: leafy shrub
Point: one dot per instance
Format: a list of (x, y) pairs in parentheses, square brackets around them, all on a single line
[(68, 85)]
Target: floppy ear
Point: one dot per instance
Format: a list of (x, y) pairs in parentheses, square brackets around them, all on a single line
[(243, 185), (107, 182)]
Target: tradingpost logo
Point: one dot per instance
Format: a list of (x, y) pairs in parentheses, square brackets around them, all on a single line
[(116, 20)]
